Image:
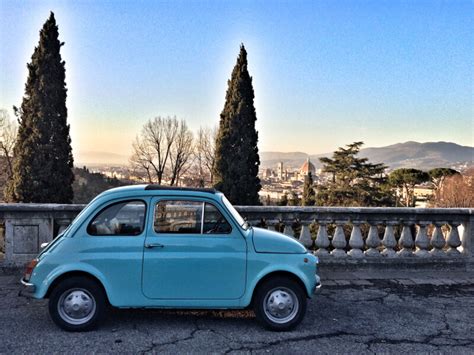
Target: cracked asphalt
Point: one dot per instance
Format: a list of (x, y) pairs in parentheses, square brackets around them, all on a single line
[(383, 317)]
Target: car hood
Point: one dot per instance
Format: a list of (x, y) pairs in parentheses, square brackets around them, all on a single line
[(266, 241)]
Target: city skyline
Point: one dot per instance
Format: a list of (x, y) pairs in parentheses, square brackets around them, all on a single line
[(324, 75)]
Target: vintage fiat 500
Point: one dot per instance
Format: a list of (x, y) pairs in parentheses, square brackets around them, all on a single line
[(158, 247)]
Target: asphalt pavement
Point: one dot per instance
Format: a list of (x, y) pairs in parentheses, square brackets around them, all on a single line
[(372, 315)]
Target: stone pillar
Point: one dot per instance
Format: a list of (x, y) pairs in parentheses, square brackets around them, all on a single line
[(467, 236), (339, 241), (322, 240), (305, 236), (23, 237), (274, 226), (373, 241), (356, 242), (288, 230), (62, 224), (405, 242), (453, 239), (437, 241), (421, 241), (389, 241)]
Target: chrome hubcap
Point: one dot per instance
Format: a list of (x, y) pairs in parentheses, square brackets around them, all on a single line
[(76, 306), (281, 305)]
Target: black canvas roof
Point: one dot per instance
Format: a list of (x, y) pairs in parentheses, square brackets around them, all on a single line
[(171, 188)]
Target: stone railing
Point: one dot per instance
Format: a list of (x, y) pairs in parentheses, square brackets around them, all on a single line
[(24, 227), (402, 236), (361, 235)]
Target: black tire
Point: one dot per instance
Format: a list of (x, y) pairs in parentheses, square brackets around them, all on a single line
[(275, 291), (77, 304)]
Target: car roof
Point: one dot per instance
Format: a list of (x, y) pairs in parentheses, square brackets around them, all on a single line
[(174, 188), (152, 189)]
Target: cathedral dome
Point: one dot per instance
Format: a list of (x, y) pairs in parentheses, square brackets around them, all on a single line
[(307, 167)]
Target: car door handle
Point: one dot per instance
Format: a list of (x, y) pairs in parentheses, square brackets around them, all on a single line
[(153, 245)]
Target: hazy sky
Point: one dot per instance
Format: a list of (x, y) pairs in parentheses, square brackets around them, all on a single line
[(325, 73)]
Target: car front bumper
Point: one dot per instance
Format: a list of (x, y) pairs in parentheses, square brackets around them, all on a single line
[(27, 289)]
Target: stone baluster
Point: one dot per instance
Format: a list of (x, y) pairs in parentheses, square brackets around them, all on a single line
[(2, 237), (62, 224), (322, 240), (421, 241), (356, 242), (437, 241), (339, 241), (275, 225), (288, 230), (373, 241), (305, 236), (389, 241), (453, 239), (405, 242)]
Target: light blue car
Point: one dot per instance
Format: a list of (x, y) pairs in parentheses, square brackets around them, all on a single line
[(160, 247)]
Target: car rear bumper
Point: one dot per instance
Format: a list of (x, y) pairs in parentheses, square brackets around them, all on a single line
[(27, 289), (317, 284)]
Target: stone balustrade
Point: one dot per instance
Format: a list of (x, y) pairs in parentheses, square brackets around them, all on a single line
[(373, 234), (338, 235)]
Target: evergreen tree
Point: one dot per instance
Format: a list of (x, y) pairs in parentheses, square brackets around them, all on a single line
[(294, 199), (355, 181), (283, 200), (406, 179), (42, 171), (309, 195), (237, 159)]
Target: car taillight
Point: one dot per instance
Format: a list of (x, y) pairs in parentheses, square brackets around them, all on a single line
[(29, 269)]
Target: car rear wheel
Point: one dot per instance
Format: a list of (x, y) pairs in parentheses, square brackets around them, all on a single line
[(77, 304), (280, 304)]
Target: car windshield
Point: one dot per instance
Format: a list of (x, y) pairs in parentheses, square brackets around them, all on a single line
[(234, 213)]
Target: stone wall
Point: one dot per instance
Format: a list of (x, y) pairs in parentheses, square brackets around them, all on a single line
[(401, 237)]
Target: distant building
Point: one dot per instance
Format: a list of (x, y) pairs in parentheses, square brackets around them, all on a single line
[(267, 173), (280, 171), (307, 167)]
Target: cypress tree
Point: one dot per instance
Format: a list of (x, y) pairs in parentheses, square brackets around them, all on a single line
[(309, 195), (42, 170), (237, 160)]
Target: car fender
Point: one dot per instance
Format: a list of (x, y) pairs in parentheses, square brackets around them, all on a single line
[(272, 268), (74, 267)]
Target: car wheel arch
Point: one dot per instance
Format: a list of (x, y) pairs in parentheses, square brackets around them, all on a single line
[(278, 273), (77, 273)]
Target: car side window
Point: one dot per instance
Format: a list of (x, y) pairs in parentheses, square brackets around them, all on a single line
[(214, 221), (189, 217), (178, 217), (121, 218)]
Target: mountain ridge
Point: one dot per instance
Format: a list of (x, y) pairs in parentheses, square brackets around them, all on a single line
[(408, 154)]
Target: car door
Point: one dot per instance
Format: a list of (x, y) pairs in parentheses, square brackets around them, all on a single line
[(193, 250), (113, 243)]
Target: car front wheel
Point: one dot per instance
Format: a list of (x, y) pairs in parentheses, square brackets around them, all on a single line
[(280, 304), (77, 304)]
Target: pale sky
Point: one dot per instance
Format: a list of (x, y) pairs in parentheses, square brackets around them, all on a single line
[(325, 73)]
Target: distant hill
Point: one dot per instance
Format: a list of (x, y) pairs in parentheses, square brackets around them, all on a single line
[(420, 155), (407, 155), (90, 158)]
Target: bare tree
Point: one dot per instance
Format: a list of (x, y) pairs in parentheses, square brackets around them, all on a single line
[(205, 154), (8, 132), (181, 152), (162, 151), (455, 191), (152, 148)]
